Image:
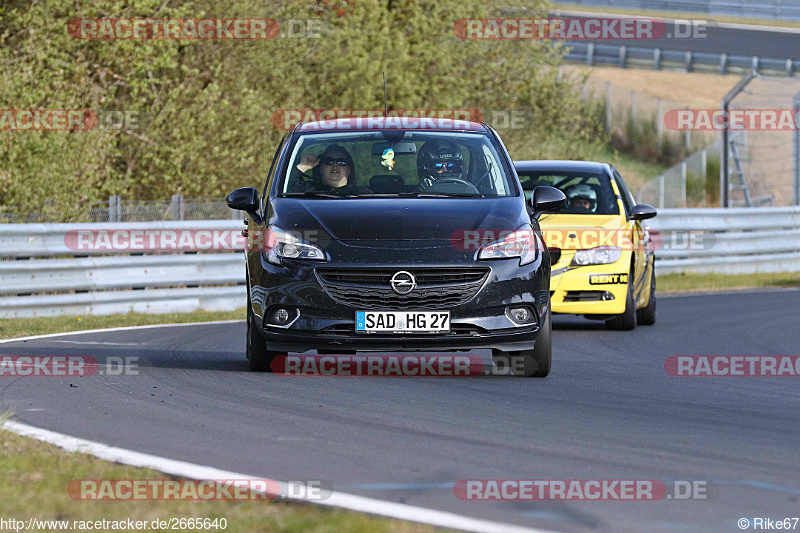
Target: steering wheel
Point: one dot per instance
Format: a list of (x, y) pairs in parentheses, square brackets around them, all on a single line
[(453, 181)]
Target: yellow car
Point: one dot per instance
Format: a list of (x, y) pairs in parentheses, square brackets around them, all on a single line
[(602, 261)]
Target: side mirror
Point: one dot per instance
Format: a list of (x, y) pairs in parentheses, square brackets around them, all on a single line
[(546, 199), (244, 199), (642, 212)]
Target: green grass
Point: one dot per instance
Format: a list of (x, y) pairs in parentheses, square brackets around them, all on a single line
[(33, 486), (678, 15), (20, 327), (677, 283), (635, 171)]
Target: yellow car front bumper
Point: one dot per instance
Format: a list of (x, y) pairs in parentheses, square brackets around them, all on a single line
[(592, 289)]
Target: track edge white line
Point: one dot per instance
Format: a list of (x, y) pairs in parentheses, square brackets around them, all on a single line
[(351, 502)]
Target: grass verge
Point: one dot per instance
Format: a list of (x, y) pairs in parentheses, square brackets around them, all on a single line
[(33, 488), (21, 327), (678, 283)]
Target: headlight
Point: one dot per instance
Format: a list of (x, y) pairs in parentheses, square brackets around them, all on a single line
[(520, 243), (603, 255), (282, 244)]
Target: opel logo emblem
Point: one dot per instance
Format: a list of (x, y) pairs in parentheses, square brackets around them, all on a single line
[(403, 282)]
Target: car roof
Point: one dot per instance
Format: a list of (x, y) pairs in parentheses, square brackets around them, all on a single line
[(561, 165), (390, 123)]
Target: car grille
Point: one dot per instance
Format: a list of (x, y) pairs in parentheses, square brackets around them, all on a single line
[(437, 288), (583, 296), (555, 255), (456, 330)]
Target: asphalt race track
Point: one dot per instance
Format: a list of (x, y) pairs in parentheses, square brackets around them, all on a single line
[(608, 411)]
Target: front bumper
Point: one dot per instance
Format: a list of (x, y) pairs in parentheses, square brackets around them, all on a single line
[(581, 290), (327, 324)]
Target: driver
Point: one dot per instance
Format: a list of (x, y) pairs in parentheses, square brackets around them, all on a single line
[(437, 160), (582, 199)]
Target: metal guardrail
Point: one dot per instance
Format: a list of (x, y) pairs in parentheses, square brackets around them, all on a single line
[(657, 58), (43, 273), (42, 276), (773, 9), (728, 241)]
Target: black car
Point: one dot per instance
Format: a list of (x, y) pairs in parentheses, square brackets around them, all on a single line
[(384, 236)]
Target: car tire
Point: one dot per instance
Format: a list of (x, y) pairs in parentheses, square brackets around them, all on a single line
[(647, 315), (627, 320), (259, 358), (531, 363)]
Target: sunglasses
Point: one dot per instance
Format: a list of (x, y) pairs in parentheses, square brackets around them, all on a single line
[(334, 160), (450, 165)]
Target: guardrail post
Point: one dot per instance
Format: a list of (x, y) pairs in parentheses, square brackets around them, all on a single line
[(754, 64), (590, 54), (687, 140), (689, 57), (657, 59), (114, 208), (683, 183), (177, 207), (704, 163), (789, 68), (723, 64), (660, 123), (623, 52), (796, 154)]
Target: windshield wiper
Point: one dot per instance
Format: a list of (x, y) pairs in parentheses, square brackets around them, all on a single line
[(316, 194), (446, 195)]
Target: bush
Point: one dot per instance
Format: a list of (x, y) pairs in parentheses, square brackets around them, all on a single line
[(208, 104)]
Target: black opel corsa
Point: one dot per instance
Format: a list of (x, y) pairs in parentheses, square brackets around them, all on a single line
[(387, 234)]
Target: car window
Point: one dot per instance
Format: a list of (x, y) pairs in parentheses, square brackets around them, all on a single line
[(272, 167), (398, 163), (588, 193), (627, 197)]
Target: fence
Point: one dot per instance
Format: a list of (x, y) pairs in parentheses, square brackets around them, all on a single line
[(657, 58), (120, 210), (42, 275), (773, 9), (728, 241), (683, 185)]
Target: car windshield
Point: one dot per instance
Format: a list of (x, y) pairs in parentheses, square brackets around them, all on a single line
[(397, 164), (588, 193)]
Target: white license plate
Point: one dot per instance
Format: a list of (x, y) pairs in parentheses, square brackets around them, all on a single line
[(403, 321)]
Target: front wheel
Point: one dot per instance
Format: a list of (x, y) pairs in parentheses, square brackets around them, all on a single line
[(647, 315), (627, 320), (531, 363), (259, 358)]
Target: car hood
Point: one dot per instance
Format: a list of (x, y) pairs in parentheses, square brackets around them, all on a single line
[(585, 231), (395, 220)]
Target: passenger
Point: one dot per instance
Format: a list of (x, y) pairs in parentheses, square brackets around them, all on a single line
[(332, 172)]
